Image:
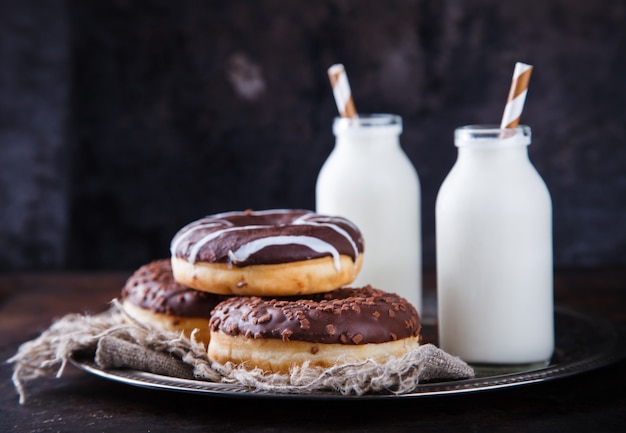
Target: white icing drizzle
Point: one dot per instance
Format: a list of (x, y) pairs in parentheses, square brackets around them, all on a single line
[(315, 244), (303, 220), (193, 253), (199, 226), (330, 220)]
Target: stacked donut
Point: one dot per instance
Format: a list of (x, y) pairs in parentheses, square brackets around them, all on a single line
[(266, 289), (152, 296)]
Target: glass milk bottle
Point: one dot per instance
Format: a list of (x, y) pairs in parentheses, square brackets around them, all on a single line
[(370, 180), (494, 251)]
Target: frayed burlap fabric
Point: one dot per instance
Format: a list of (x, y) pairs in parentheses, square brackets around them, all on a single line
[(114, 341)]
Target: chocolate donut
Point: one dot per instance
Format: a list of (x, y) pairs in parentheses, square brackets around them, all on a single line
[(152, 296), (345, 325), (267, 253)]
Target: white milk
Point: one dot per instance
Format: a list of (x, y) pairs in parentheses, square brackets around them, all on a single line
[(369, 179), (494, 252)]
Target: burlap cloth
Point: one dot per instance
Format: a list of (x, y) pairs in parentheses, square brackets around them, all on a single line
[(115, 342)]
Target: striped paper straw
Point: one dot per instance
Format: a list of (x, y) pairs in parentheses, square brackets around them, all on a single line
[(341, 90), (517, 95)]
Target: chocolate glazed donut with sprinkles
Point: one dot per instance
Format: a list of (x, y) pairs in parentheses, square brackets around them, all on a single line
[(343, 326), (152, 297)]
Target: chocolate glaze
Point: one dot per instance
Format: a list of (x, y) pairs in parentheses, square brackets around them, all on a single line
[(266, 237), (153, 287), (344, 316)]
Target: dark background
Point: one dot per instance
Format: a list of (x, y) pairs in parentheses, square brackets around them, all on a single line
[(121, 121)]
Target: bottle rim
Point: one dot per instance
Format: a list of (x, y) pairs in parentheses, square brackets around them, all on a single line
[(492, 136), (368, 123)]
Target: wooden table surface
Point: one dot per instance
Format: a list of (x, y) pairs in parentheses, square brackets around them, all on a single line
[(592, 401)]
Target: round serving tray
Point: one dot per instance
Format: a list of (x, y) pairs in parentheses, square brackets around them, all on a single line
[(583, 343)]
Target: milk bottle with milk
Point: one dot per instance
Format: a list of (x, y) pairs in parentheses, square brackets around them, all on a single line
[(370, 180), (494, 251)]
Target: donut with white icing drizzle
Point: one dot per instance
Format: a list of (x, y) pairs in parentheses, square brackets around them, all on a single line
[(282, 252)]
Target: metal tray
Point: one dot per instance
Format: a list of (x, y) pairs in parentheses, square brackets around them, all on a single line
[(583, 343)]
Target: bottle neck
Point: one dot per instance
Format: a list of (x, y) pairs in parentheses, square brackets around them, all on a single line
[(495, 160), (368, 141), (486, 143), (520, 151), (368, 131)]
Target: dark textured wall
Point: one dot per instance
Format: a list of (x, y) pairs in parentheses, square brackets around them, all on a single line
[(120, 121), (34, 151)]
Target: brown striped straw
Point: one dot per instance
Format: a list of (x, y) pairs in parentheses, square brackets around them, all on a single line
[(341, 90), (517, 96)]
